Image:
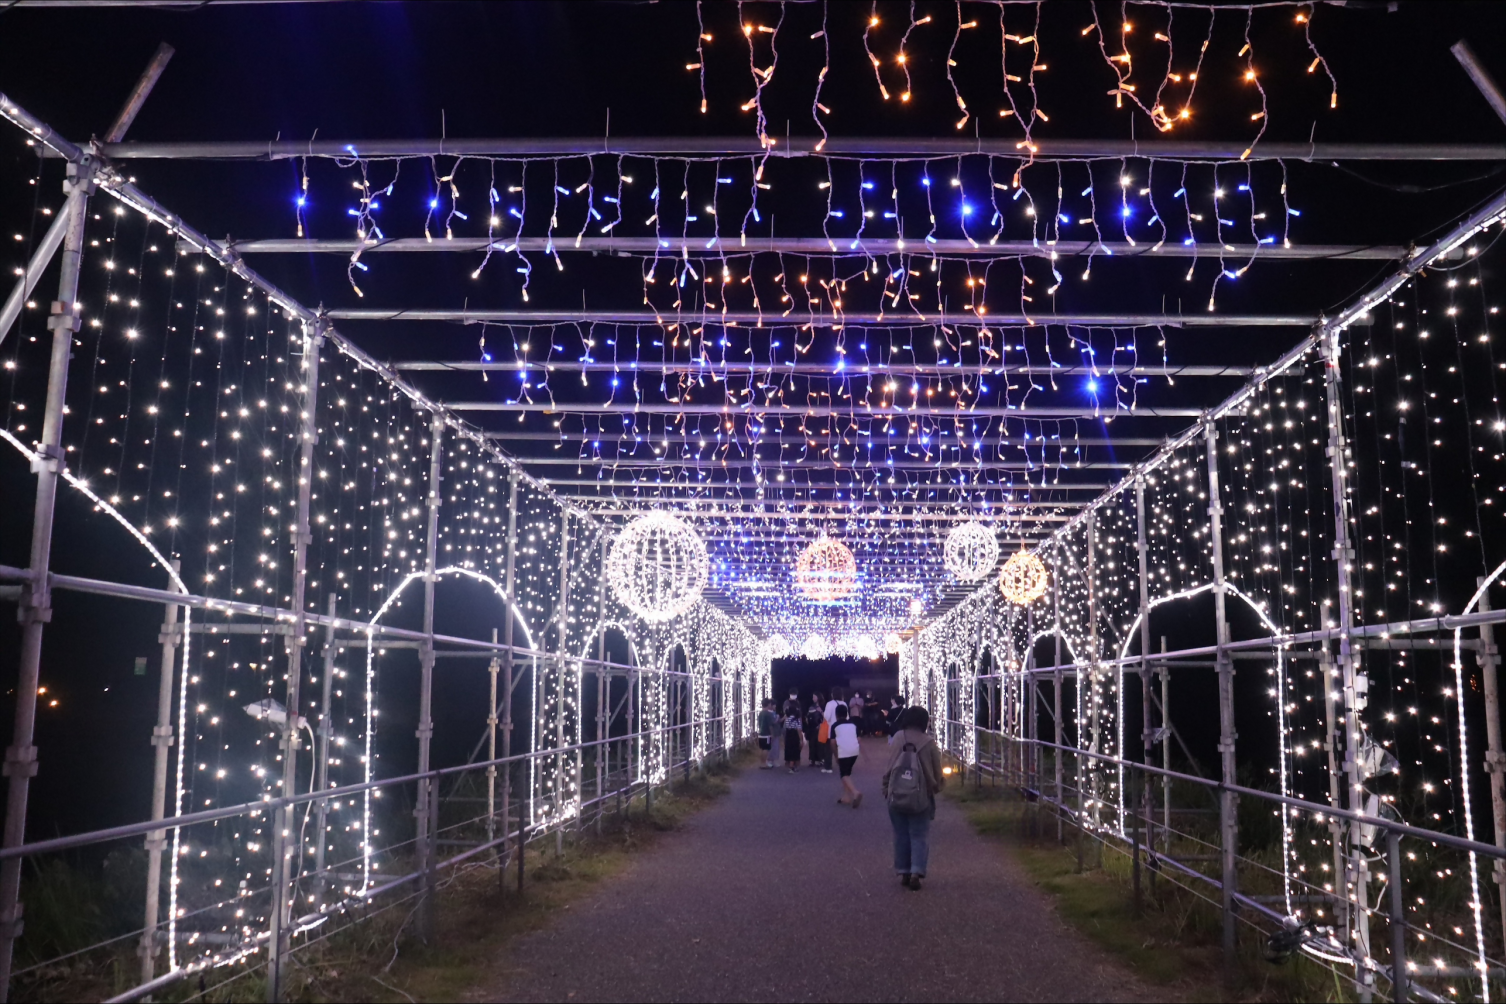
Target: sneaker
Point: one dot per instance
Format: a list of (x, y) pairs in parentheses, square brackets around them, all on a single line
[(826, 770), (792, 770)]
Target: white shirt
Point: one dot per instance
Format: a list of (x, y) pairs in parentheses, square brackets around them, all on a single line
[(831, 711), (846, 734)]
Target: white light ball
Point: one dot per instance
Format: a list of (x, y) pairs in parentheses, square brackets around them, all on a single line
[(971, 551), (826, 570), (1024, 579), (868, 649), (815, 647), (893, 642), (658, 566), (778, 647)]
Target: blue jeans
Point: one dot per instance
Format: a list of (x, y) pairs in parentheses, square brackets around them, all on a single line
[(912, 842)]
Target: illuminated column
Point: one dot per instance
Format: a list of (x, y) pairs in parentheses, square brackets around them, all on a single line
[(1094, 698), (162, 741), (428, 792), (326, 730), (1354, 684), (284, 845), (492, 669), (1495, 762), (1228, 817), (1056, 697), (603, 680), (35, 608), (509, 621), (1146, 735)]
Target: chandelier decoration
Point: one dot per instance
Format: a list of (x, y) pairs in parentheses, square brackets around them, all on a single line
[(971, 551), (1024, 579), (778, 647), (893, 642), (826, 571), (658, 566)]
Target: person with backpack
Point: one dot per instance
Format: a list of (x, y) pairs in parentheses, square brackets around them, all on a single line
[(794, 737), (910, 786), (815, 737), (767, 740), (845, 738)]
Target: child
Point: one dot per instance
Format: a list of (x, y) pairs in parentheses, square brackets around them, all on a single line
[(794, 738), (845, 738), (767, 738)]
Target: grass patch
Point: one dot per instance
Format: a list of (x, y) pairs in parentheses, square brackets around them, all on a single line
[(1175, 943), (380, 958)]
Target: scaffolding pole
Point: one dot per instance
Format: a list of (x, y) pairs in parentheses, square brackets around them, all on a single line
[(1228, 820), (428, 791), (326, 736), (162, 741)]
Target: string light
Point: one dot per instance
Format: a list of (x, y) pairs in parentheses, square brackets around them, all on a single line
[(1023, 579), (972, 550), (825, 570), (657, 567)]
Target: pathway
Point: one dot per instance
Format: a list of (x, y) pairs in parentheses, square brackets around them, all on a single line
[(776, 893)]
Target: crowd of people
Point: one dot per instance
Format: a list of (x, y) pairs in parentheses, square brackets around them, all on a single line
[(826, 736)]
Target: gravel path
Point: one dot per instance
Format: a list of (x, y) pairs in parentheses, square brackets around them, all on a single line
[(777, 893)]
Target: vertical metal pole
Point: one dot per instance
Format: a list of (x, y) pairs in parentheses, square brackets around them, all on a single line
[(492, 669), (603, 682), (326, 734), (1355, 684), (1165, 671), (1228, 820), (509, 583), (35, 608), (1495, 760), (162, 741), (1095, 717), (1147, 736), (1056, 710), (562, 787), (285, 866), (428, 790), (1399, 974), (1134, 805)]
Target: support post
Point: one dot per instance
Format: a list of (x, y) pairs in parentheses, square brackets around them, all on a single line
[(285, 860), (326, 735), (1495, 760), (1165, 671), (492, 669), (603, 686), (509, 583), (1056, 710), (1146, 733), (162, 741), (1095, 717), (1134, 803), (428, 790), (35, 608), (1354, 683), (561, 739), (1228, 822), (1399, 975)]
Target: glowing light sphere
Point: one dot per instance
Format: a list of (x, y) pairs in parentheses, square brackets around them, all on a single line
[(778, 647), (826, 570), (1024, 579), (971, 551), (893, 642), (657, 566), (868, 649), (815, 647)]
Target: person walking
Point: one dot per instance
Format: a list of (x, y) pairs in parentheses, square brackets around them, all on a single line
[(896, 713), (844, 737), (794, 737), (767, 739), (910, 786), (830, 714)]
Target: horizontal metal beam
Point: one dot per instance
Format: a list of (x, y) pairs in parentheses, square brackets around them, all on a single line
[(817, 462), (811, 411), (745, 318), (734, 244), (853, 369), (804, 146), (849, 437)]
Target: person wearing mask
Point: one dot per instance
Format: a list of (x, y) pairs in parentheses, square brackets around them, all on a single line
[(830, 712), (844, 736), (767, 739), (910, 786), (855, 710)]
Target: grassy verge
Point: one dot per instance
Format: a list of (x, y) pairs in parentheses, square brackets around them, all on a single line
[(476, 913), (1175, 943)]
